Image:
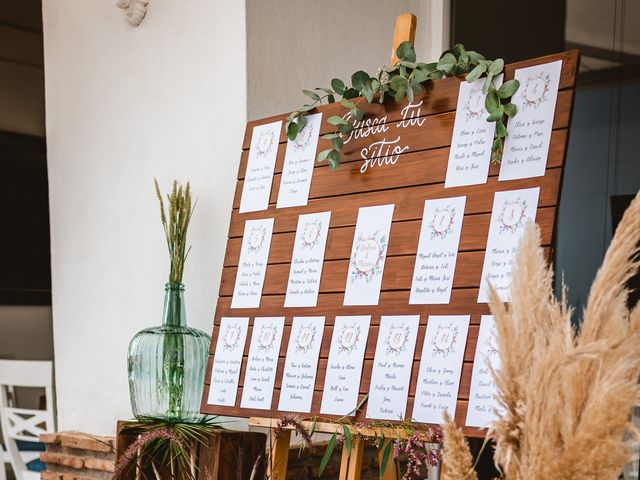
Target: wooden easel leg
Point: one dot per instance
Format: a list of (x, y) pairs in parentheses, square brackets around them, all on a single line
[(351, 465), (277, 466), (405, 31), (391, 470)]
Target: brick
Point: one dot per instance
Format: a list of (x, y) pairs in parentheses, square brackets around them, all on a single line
[(61, 459), (99, 464), (83, 441), (50, 437), (47, 475)]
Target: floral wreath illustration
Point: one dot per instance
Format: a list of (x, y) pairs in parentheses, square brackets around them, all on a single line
[(231, 337), (349, 338), (303, 140), (306, 338), (257, 237), (490, 345), (513, 215), (442, 222), (475, 104), (397, 339), (311, 234), (445, 347), (267, 337), (367, 257), (536, 90), (265, 143)]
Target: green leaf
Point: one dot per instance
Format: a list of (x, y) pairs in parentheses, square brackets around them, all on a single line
[(348, 441), (501, 130), (428, 68), (475, 57), (496, 67), (306, 108), (337, 143), (301, 121), (386, 455), (447, 63), (398, 83), (336, 120), (337, 85), (419, 76), (330, 136), (496, 114), (475, 74), (345, 128), (351, 93), (508, 88), (292, 130), (312, 429), (347, 103), (323, 155), (357, 113), (331, 98), (334, 159), (488, 83), (311, 95), (360, 79), (406, 52), (367, 93), (510, 109), (491, 102), (410, 95), (400, 93), (437, 75), (328, 452)]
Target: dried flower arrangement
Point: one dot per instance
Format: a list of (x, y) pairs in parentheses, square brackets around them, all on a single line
[(567, 393)]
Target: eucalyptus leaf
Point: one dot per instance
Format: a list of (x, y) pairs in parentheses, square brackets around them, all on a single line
[(347, 103), (334, 159), (356, 113), (496, 114), (351, 93), (496, 66), (330, 136), (510, 109), (301, 121), (501, 130), (491, 102), (400, 94), (447, 63), (475, 57), (508, 88), (331, 98), (323, 155), (406, 52), (419, 76), (336, 120), (397, 83), (337, 85), (292, 130), (428, 68), (367, 93), (488, 83), (410, 95), (475, 74), (359, 79), (337, 143), (311, 95)]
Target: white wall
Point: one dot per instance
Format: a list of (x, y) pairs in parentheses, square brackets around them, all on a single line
[(123, 105), (293, 45)]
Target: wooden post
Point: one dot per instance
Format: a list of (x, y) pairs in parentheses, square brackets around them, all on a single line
[(405, 32), (351, 465), (391, 469), (277, 465)]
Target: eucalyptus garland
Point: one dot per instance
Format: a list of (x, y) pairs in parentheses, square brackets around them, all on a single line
[(404, 80)]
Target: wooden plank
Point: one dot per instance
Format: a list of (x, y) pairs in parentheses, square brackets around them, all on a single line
[(440, 95), (405, 31), (279, 455)]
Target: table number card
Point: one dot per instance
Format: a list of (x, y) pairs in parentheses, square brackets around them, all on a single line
[(227, 361), (437, 251), (470, 152), (301, 364), (307, 260), (440, 368), (252, 265), (260, 166), (260, 374), (527, 145), (298, 165), (344, 367), (368, 255), (482, 402), (392, 364), (511, 212)]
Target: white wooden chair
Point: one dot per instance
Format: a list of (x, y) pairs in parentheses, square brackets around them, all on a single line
[(22, 424)]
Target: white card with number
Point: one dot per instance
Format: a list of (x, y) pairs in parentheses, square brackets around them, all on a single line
[(440, 368), (344, 367), (301, 364), (227, 361), (368, 255), (392, 366), (307, 260), (482, 401), (260, 375), (437, 251), (526, 147), (512, 211), (260, 166), (252, 266), (470, 152), (298, 165)]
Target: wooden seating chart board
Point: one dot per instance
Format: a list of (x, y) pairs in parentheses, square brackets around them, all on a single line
[(417, 175)]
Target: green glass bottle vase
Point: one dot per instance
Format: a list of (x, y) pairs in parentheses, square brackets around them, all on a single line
[(167, 364)]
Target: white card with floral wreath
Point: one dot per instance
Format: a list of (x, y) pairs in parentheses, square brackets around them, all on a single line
[(252, 265), (227, 361), (526, 147), (392, 364), (301, 364), (470, 152), (344, 367), (482, 402), (437, 251), (260, 374), (512, 211), (307, 260), (258, 176), (368, 255), (440, 367), (299, 161)]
